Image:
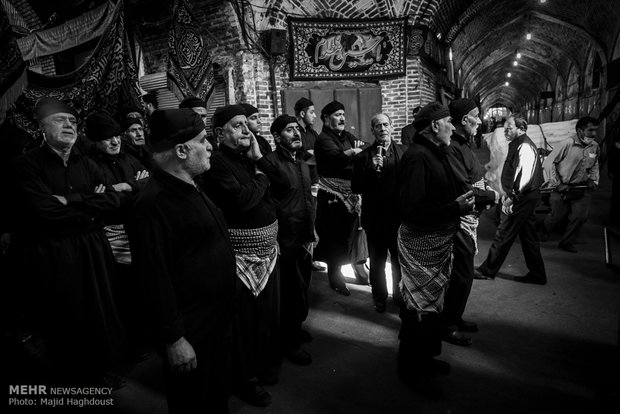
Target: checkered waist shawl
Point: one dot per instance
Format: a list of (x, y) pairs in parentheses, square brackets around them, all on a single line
[(469, 224), (341, 188), (256, 254), (426, 263)]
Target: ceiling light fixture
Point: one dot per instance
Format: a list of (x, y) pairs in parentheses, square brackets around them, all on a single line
[(528, 36), (507, 84), (518, 55), (508, 75), (515, 63)]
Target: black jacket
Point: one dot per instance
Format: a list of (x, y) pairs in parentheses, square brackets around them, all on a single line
[(379, 190)]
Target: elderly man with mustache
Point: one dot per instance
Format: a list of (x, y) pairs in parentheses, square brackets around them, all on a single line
[(338, 207)]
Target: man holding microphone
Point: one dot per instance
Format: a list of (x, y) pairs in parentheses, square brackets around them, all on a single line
[(374, 176)]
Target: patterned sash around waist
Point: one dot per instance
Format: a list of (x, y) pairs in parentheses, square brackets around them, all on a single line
[(426, 263), (256, 254), (341, 188), (469, 224), (119, 242)]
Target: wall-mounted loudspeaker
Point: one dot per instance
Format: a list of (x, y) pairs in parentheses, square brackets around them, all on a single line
[(275, 41)]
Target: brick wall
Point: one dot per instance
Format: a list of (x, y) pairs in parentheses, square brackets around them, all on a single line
[(251, 77)]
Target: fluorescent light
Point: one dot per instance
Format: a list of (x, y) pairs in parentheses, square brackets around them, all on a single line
[(528, 36)]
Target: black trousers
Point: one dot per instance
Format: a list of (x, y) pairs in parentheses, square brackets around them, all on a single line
[(207, 388), (522, 223), (295, 275), (461, 279), (420, 340), (256, 331), (379, 244)]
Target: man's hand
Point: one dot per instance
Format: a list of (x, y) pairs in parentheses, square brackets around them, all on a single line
[(62, 199), (120, 187), (591, 184), (181, 356), (254, 153), (562, 188), (140, 175), (100, 189), (377, 161), (352, 151), (466, 202), (507, 205)]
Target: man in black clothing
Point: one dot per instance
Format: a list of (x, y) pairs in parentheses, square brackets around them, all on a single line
[(470, 173), (296, 210), (374, 177), (61, 200), (253, 117), (186, 267), (127, 176), (337, 207), (408, 131), (134, 141), (305, 114), (238, 184), (431, 204), (521, 179)]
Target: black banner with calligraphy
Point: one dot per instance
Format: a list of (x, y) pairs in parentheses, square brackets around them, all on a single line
[(347, 49), (189, 65)]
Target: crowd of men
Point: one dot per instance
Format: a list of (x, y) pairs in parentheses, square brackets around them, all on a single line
[(202, 243)]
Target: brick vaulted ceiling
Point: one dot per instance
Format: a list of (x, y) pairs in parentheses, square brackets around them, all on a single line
[(484, 34)]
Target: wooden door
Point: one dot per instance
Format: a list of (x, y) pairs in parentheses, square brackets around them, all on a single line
[(360, 105)]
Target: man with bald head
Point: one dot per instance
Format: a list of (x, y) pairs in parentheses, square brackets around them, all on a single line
[(431, 204), (374, 177), (238, 184), (62, 198)]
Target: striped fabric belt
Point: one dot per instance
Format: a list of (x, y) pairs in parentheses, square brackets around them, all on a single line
[(425, 257), (256, 254)]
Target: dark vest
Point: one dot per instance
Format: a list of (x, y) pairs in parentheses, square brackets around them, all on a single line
[(511, 165)]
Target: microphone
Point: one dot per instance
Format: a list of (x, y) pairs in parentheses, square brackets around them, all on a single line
[(380, 151)]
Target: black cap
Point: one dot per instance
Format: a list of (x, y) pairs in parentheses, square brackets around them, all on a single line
[(192, 102), (174, 126), (45, 107), (101, 126), (129, 121), (281, 122), (223, 114), (330, 108), (429, 113), (249, 109), (460, 107), (302, 104)]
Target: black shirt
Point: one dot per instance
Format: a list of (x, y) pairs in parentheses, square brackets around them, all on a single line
[(235, 187), (183, 260), (296, 205)]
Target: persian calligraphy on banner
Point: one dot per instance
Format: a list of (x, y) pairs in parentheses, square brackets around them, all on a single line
[(189, 64), (346, 49)]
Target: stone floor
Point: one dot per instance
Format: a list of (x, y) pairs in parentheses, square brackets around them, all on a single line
[(550, 348)]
